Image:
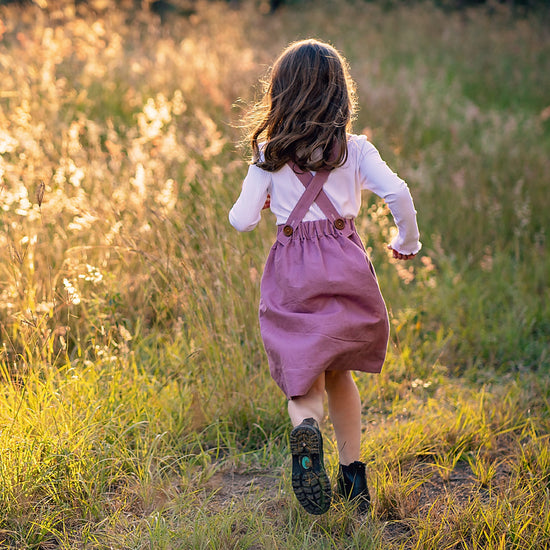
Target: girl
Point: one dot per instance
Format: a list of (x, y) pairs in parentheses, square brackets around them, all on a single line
[(321, 311)]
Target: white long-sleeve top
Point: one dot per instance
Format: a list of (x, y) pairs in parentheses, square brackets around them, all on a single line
[(363, 169)]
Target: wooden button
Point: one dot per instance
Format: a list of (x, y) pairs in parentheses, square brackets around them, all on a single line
[(287, 230), (339, 223)]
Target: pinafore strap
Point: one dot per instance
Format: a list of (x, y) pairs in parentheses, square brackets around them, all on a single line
[(313, 193)]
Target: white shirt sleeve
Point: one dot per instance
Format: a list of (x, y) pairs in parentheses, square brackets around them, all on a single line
[(246, 212), (376, 176)]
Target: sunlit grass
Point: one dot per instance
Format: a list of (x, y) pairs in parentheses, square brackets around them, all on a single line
[(134, 383)]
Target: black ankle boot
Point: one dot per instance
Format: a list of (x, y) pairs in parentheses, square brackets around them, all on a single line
[(352, 484)]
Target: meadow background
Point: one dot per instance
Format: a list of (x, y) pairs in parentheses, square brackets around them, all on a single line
[(136, 407)]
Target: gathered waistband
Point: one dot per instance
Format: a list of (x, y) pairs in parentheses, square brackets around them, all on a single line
[(315, 229)]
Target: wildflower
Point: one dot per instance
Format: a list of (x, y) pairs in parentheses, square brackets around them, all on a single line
[(406, 274), (72, 293), (93, 274)]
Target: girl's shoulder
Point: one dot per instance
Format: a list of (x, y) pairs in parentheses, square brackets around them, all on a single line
[(358, 145), (358, 148)]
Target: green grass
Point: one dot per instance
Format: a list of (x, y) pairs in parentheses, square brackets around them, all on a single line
[(136, 407)]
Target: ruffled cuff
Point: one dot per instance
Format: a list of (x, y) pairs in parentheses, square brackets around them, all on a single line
[(404, 247)]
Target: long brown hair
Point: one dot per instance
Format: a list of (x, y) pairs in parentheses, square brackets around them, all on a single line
[(306, 111)]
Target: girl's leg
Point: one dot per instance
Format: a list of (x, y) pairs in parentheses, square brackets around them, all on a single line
[(344, 405), (309, 405)]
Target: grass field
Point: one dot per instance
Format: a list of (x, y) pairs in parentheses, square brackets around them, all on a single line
[(136, 407)]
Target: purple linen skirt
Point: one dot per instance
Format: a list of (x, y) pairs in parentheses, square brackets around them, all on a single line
[(321, 307)]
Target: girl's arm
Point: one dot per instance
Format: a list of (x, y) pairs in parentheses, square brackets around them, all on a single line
[(246, 212), (378, 178)]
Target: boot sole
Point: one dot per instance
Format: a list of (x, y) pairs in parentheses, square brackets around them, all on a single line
[(310, 482)]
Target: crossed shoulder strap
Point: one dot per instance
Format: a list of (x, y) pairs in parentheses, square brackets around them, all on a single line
[(313, 193)]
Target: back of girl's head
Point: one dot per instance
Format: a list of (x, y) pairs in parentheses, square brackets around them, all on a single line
[(307, 109)]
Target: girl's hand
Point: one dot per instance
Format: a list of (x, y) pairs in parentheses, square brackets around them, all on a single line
[(398, 256), (267, 203)]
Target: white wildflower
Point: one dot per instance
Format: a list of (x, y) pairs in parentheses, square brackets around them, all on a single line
[(72, 293)]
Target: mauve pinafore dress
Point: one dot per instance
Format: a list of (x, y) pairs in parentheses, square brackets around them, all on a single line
[(320, 307)]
